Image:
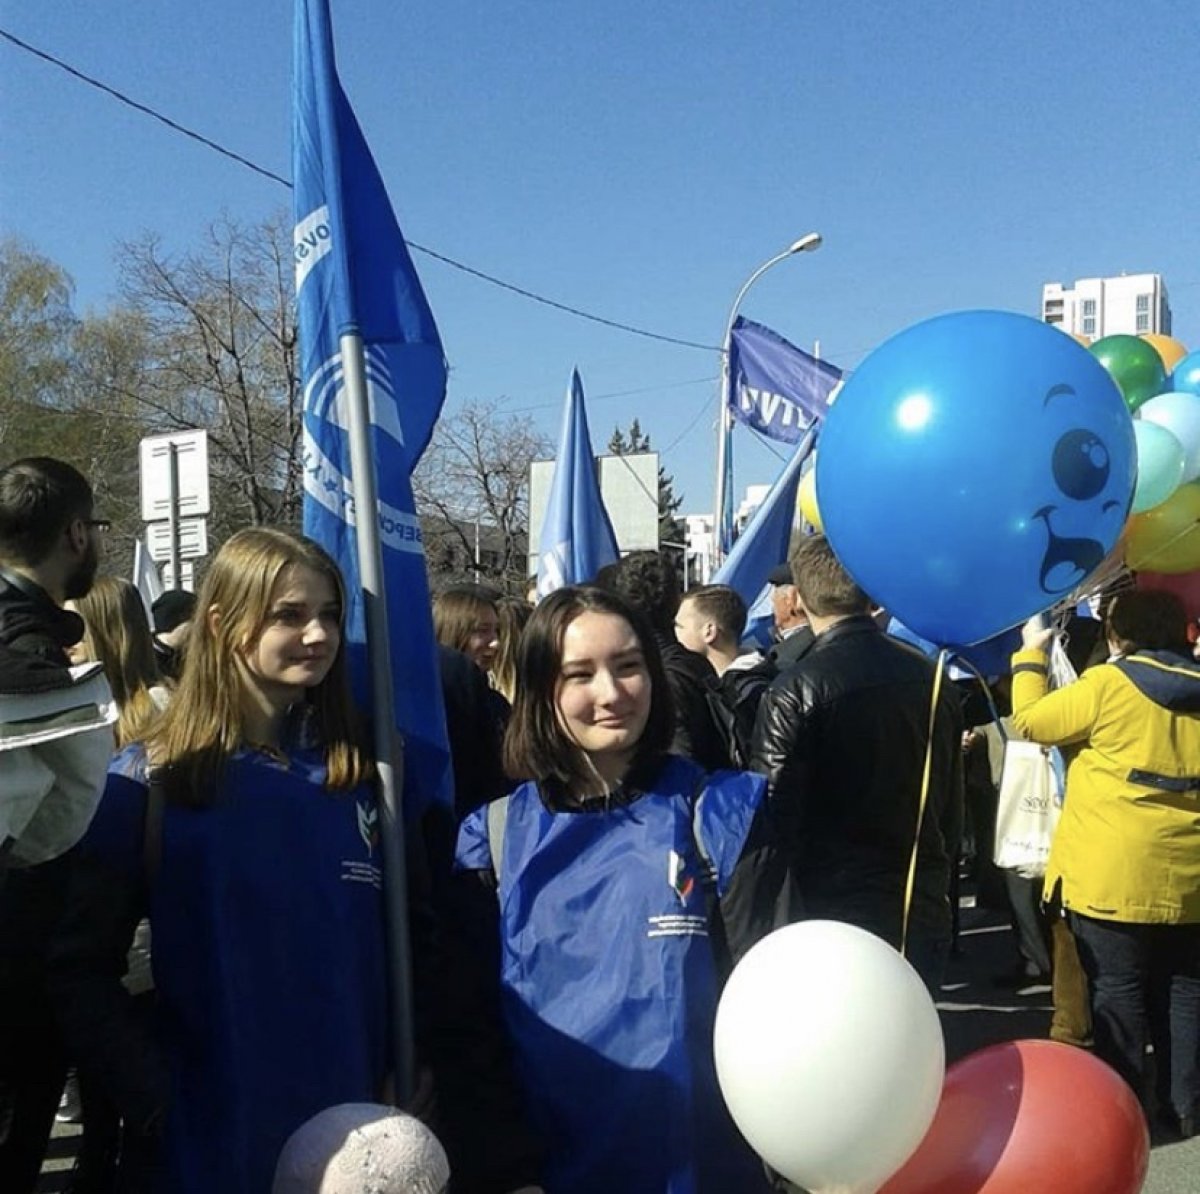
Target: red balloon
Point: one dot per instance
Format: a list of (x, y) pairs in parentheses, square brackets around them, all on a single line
[(1026, 1116)]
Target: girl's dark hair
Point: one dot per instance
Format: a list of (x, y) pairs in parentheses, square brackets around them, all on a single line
[(1147, 620), (535, 744)]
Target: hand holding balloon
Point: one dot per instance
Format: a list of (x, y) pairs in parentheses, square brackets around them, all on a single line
[(1037, 633)]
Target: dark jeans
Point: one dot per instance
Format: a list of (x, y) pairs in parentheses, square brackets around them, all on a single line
[(32, 1071), (1132, 969), (1029, 922)]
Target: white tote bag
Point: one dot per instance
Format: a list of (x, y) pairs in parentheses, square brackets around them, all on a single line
[(1031, 795)]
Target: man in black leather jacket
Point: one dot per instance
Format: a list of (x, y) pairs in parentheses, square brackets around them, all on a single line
[(842, 737)]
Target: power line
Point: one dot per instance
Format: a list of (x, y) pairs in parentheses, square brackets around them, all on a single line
[(175, 126)]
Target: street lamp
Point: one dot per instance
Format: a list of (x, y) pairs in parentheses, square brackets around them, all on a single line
[(806, 244)]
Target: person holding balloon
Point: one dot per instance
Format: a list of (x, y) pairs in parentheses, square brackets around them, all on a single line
[(1125, 862), (606, 872)]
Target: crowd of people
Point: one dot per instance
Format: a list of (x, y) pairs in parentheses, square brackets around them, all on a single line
[(638, 800)]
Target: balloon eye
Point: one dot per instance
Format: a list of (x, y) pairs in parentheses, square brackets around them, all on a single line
[(1080, 465)]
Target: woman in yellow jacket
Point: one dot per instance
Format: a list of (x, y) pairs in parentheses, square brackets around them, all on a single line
[(1125, 862)]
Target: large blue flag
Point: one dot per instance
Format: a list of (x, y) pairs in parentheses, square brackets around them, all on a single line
[(354, 275), (775, 387), (577, 537), (764, 542)]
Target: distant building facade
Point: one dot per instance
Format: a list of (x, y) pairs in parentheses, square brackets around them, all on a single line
[(1094, 307)]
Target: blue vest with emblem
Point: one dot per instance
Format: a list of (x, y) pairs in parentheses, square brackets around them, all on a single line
[(609, 983), (268, 948)]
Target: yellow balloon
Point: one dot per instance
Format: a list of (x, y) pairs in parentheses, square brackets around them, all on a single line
[(808, 499), (1171, 351), (1167, 538), (1080, 338)]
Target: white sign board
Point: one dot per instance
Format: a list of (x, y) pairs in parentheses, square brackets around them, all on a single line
[(187, 576), (191, 455), (193, 539), (629, 488)]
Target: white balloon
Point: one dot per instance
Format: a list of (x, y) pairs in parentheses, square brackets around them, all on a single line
[(1179, 413), (830, 1056)]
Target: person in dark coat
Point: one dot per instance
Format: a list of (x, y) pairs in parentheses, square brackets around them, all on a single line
[(793, 634), (650, 584), (172, 612), (50, 550), (842, 737)]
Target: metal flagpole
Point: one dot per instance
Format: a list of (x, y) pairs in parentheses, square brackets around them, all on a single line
[(389, 750), (806, 244)]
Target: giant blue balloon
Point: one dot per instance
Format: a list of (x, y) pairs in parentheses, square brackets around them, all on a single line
[(974, 469)]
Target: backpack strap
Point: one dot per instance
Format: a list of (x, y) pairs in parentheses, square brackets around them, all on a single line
[(497, 823), (710, 870)]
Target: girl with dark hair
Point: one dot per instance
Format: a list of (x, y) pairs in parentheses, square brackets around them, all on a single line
[(246, 826), (1125, 861), (610, 863)]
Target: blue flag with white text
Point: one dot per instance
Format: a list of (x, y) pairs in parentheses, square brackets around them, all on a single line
[(764, 543), (354, 275), (577, 538), (775, 387)]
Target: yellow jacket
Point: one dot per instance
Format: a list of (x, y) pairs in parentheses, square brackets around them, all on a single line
[(1128, 845)]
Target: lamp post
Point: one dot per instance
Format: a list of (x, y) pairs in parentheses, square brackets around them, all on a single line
[(806, 244)]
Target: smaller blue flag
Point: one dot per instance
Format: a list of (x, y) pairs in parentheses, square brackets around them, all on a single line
[(764, 542), (577, 537), (775, 387)]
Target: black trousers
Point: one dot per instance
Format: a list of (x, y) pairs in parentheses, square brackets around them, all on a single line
[(32, 1072), (1134, 970)]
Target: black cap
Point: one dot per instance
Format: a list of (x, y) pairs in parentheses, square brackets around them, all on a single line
[(171, 608), (781, 575)]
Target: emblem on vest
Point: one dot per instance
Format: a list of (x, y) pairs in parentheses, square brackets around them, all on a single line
[(356, 870), (681, 882)]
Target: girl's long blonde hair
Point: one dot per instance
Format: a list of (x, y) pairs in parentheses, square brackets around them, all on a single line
[(202, 727), (117, 634), (513, 613)]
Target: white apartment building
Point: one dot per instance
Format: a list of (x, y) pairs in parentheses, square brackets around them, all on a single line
[(1095, 307)]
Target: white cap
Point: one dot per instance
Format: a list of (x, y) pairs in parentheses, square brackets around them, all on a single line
[(362, 1148)]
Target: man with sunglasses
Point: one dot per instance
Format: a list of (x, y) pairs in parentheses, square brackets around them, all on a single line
[(55, 743)]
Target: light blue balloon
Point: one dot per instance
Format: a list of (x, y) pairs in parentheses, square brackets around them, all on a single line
[(1160, 461), (1179, 413), (1186, 377), (975, 469)]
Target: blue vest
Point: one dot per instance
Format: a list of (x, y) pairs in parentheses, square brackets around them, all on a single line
[(268, 957), (609, 984)]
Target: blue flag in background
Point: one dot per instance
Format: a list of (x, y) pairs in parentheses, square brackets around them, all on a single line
[(764, 542), (354, 275), (577, 538), (775, 387)]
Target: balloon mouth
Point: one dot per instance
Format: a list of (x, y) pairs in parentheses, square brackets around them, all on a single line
[(1066, 562)]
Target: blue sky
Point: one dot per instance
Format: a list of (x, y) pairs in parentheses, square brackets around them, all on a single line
[(639, 160)]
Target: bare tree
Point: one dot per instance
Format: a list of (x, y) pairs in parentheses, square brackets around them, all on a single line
[(474, 480), (219, 332)]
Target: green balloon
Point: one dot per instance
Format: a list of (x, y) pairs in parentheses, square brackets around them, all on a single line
[(1134, 365)]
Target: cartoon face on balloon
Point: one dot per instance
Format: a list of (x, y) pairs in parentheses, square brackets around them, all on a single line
[(974, 469)]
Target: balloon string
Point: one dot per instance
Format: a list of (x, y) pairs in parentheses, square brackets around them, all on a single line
[(939, 672)]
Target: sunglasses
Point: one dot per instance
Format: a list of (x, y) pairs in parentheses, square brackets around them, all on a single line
[(103, 525)]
